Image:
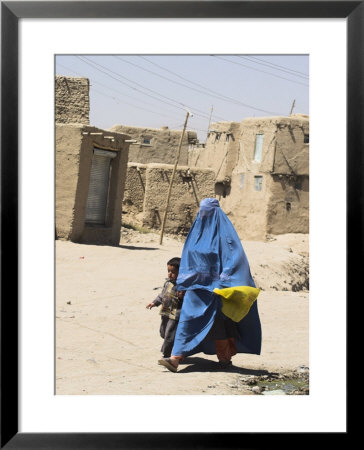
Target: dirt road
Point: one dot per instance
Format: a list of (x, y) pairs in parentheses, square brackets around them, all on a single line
[(107, 342)]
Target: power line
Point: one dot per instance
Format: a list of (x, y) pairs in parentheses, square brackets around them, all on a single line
[(108, 72), (134, 106), (115, 90), (154, 112), (214, 93), (280, 66), (176, 74), (274, 66), (161, 95), (171, 81), (258, 70), (93, 64), (130, 104)]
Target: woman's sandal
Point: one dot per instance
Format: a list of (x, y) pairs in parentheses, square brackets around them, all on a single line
[(166, 362)]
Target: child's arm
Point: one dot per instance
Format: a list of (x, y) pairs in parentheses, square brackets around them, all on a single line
[(150, 305), (156, 302)]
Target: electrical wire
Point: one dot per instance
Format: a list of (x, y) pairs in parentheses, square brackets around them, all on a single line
[(151, 90), (108, 72), (168, 79), (112, 89), (209, 94), (258, 70), (130, 104), (214, 93), (274, 66), (134, 106), (183, 106)]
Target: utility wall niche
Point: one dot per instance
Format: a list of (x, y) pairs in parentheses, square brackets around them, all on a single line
[(91, 169)]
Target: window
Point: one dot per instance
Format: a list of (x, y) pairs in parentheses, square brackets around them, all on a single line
[(258, 147), (218, 135), (227, 138), (306, 138), (147, 141), (258, 182), (242, 178), (98, 191)]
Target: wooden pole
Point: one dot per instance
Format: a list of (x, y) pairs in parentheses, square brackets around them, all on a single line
[(208, 129), (172, 177), (290, 113)]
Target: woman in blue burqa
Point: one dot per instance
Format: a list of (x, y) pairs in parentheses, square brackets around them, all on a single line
[(219, 313)]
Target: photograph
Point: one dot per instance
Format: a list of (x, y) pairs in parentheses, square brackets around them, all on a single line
[(174, 229), (182, 183)]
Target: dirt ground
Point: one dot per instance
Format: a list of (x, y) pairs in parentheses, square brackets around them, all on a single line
[(107, 342)]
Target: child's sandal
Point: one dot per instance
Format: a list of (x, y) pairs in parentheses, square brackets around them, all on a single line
[(166, 362)]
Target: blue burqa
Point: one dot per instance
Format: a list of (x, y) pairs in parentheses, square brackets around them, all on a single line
[(212, 257)]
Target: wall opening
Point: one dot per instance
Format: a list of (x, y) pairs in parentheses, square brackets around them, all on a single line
[(223, 188), (242, 179), (146, 140), (98, 192), (258, 150), (258, 183)]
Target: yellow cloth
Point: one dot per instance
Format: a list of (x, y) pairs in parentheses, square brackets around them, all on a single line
[(237, 301)]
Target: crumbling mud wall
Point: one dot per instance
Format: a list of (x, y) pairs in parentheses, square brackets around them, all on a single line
[(292, 146), (190, 186), (134, 191), (220, 152), (246, 199), (67, 162), (269, 186), (246, 207), (156, 145), (288, 206), (72, 100)]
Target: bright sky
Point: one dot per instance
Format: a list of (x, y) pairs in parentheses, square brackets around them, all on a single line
[(157, 90)]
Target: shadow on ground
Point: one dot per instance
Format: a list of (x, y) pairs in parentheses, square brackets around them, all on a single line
[(196, 364), (132, 247)]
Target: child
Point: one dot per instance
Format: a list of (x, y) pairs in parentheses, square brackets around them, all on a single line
[(171, 301)]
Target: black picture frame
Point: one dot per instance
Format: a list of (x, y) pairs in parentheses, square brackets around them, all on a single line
[(11, 12)]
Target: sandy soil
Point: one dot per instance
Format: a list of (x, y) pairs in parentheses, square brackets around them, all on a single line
[(107, 341)]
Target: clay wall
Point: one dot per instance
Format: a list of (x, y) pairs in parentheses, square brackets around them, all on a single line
[(190, 186), (288, 206), (246, 207), (72, 100), (134, 191), (75, 146), (67, 162), (269, 190), (292, 146), (221, 150), (156, 145)]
